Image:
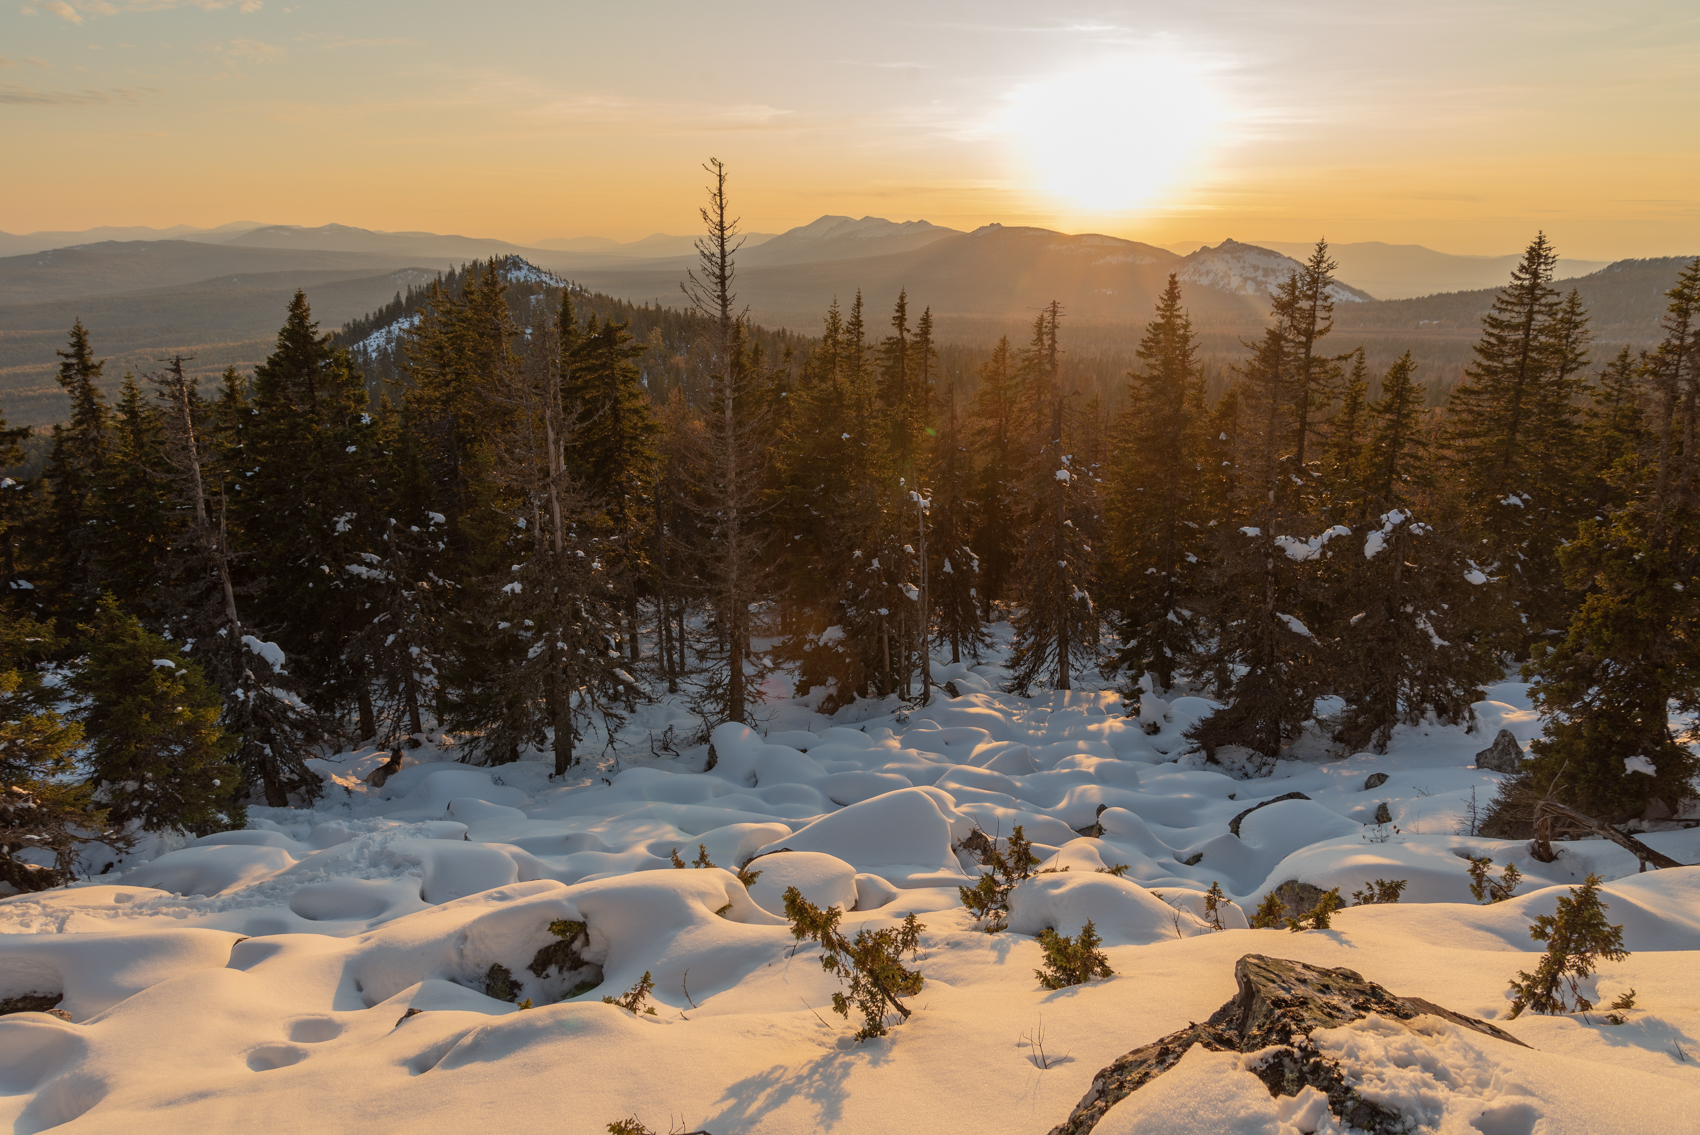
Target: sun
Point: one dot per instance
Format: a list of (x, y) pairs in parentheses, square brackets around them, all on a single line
[(1116, 136)]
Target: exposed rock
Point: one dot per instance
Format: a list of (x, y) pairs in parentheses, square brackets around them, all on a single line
[(30, 1003), (1504, 755), (383, 772), (950, 688), (1234, 824), (1279, 1004), (1383, 814), (1095, 829), (1375, 780), (404, 1016), (1298, 898)]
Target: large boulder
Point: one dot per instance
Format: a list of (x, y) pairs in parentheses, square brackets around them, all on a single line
[(1504, 755), (1279, 1004)]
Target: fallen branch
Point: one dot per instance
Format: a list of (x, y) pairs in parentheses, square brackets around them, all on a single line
[(1546, 811)]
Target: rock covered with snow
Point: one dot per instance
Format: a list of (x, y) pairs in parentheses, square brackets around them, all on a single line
[(1279, 1008)]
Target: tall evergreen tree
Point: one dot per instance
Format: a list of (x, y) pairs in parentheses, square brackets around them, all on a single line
[(69, 539), (275, 730), (1155, 497), (956, 579), (134, 509), (1265, 567), (1404, 612), (1511, 441), (1057, 625), (1629, 657), (158, 757), (1000, 432), (46, 815), (303, 504)]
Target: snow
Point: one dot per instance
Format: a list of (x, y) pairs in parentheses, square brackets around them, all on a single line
[(259, 980), (270, 651), (1641, 765)]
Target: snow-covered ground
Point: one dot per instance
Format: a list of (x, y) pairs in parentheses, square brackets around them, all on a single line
[(261, 981)]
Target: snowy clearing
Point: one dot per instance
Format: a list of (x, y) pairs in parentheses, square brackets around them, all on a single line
[(262, 980)]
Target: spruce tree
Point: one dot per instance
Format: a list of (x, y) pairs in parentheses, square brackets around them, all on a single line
[(157, 755), (1268, 555), (133, 506), (1155, 494), (69, 538), (46, 814), (303, 504), (275, 730), (1511, 440), (1057, 624), (1405, 610), (613, 453), (13, 502), (1001, 427), (955, 581), (1628, 658)]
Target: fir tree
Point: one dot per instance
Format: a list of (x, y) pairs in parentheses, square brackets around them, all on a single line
[(1407, 648), (1155, 497), (77, 461), (303, 503), (1000, 431), (133, 506), (1056, 627), (158, 756), (1264, 565), (1608, 686), (1511, 441), (953, 594), (46, 814), (275, 730)]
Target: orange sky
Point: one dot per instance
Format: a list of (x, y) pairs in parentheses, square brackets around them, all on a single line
[(1462, 126)]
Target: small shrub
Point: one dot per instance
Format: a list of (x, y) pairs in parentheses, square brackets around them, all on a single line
[(1577, 937), (988, 898), (634, 1126), (1120, 870), (1320, 916), (1624, 1002), (871, 963), (1213, 900), (1380, 891), (562, 955), (745, 875), (499, 983), (633, 999), (678, 864), (1072, 961), (1271, 913), (1485, 887)]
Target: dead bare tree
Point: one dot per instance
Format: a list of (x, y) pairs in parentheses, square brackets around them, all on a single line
[(730, 460)]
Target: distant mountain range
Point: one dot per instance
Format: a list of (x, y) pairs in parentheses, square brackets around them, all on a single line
[(220, 293)]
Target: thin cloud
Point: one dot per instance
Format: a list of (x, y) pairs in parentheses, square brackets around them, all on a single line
[(76, 10), (371, 43), (16, 94), (248, 51)]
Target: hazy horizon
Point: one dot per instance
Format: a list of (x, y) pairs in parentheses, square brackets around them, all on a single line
[(1459, 127)]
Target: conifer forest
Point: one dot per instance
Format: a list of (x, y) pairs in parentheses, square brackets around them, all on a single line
[(401, 672)]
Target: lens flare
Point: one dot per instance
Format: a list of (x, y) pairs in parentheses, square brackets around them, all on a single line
[(1118, 136)]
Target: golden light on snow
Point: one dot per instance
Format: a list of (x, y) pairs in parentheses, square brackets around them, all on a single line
[(1115, 136)]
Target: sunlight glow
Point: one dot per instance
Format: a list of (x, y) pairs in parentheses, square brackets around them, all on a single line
[(1116, 136)]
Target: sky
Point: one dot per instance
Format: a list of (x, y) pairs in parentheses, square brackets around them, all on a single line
[(1463, 126)]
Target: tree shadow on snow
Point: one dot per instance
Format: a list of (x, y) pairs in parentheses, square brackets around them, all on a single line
[(822, 1082)]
